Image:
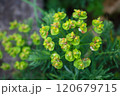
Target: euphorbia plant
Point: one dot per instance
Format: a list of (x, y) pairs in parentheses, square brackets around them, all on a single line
[(68, 35), (16, 44), (63, 39)]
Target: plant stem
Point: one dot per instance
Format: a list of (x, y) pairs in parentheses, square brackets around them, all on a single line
[(30, 3), (104, 53)]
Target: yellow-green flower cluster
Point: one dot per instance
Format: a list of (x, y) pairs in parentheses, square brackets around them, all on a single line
[(44, 31), (79, 14), (14, 45), (5, 66), (82, 26), (55, 28), (98, 25), (72, 55), (95, 44), (24, 28), (14, 51), (82, 63), (35, 38), (69, 24), (59, 16), (71, 39), (64, 44), (16, 40), (25, 53), (69, 56), (13, 25), (20, 65), (49, 44), (68, 42), (7, 44), (55, 60)]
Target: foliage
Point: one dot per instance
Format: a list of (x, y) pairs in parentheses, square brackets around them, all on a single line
[(17, 46), (97, 69), (100, 52), (92, 6)]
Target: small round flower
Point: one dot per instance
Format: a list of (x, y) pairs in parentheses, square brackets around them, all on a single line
[(98, 25), (55, 56), (49, 44), (64, 44), (57, 64), (5, 40), (25, 53), (70, 36), (20, 42), (79, 14), (13, 25), (86, 62), (65, 47), (83, 28), (7, 46), (24, 28), (59, 16), (70, 24), (76, 40), (44, 31), (76, 53), (97, 39), (23, 56), (35, 38), (96, 22), (69, 56), (94, 46), (21, 65), (62, 41), (15, 36), (26, 49), (54, 30), (79, 23), (5, 66), (79, 64), (14, 51), (99, 29)]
